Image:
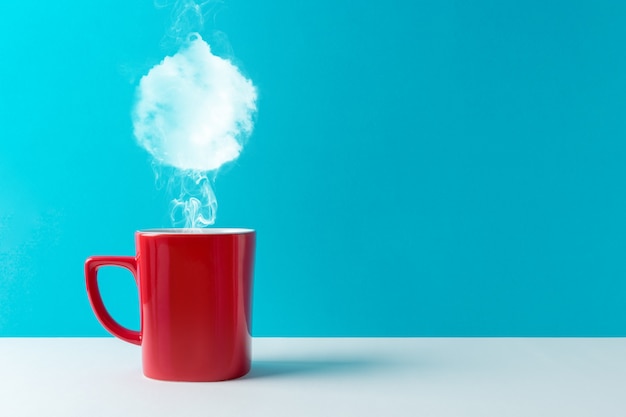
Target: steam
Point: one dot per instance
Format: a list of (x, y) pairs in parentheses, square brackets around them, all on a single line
[(193, 113), (196, 205)]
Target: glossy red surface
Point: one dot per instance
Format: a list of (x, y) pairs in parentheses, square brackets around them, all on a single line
[(195, 293)]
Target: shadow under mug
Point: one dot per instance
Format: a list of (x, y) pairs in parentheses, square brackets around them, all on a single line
[(195, 290)]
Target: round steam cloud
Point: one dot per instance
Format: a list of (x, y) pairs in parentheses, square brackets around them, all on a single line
[(194, 109)]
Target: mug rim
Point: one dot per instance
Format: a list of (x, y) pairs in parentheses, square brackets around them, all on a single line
[(195, 231)]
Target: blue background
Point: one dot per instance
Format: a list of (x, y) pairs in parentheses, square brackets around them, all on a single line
[(417, 168)]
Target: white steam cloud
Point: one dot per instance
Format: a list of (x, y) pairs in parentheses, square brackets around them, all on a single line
[(193, 113), (194, 109)]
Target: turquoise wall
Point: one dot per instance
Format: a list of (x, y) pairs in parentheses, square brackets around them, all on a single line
[(417, 167)]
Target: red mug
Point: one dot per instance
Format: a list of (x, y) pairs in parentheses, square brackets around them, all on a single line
[(195, 290)]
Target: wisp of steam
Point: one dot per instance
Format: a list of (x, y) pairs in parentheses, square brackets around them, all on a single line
[(193, 113)]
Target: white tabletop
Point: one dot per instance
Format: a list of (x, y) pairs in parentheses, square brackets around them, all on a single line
[(298, 377)]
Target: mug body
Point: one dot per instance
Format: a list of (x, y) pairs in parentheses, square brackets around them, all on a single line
[(195, 289)]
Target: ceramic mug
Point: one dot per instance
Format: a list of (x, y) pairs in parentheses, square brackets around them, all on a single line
[(195, 290)]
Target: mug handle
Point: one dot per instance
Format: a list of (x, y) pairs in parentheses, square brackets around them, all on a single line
[(92, 264)]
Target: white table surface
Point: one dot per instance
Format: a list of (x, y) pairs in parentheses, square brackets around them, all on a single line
[(298, 377)]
